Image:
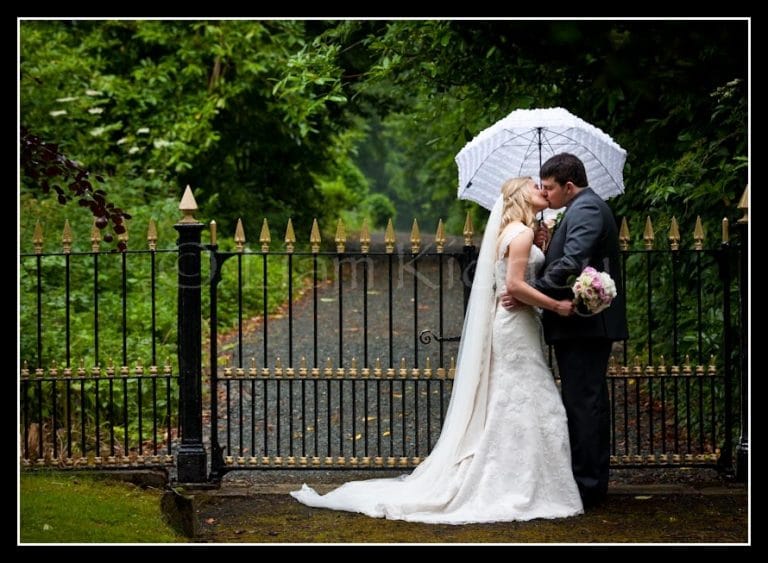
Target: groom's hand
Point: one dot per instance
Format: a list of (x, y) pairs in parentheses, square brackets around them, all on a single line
[(508, 302)]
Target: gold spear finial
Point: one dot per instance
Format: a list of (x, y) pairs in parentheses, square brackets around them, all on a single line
[(37, 238), (365, 237), (469, 230), (698, 235), (415, 238), (726, 236), (212, 227), (624, 234), (290, 237), (240, 235), (674, 235), (389, 237), (95, 237), (440, 236), (314, 237), (341, 236), (648, 234), (152, 235), (264, 237), (66, 237), (744, 206), (188, 206)]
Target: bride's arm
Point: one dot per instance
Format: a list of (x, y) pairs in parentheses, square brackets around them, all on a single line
[(517, 263)]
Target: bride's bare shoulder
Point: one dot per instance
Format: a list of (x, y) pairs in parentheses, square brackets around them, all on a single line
[(510, 232)]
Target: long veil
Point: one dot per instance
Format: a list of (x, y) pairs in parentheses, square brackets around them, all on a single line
[(433, 484)]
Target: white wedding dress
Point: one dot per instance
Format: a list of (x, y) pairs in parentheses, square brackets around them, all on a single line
[(503, 453)]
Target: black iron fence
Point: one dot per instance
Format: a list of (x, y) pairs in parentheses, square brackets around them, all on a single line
[(97, 387), (355, 369)]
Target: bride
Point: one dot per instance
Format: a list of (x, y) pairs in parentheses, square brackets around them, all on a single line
[(503, 452)]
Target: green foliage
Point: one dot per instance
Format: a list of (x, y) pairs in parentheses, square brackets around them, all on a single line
[(380, 210), (68, 508)]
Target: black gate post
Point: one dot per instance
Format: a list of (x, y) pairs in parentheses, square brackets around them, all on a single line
[(191, 460), (742, 449)]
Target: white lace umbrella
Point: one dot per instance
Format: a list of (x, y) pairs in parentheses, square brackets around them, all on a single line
[(518, 144)]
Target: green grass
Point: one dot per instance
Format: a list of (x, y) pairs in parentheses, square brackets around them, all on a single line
[(64, 508)]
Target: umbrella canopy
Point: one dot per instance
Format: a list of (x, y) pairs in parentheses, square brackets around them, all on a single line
[(518, 144)]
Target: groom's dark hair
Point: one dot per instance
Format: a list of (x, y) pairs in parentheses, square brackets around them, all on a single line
[(565, 167)]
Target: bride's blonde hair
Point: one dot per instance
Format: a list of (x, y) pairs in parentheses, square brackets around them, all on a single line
[(517, 202)]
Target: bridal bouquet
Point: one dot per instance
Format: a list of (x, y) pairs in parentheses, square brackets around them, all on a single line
[(594, 291)]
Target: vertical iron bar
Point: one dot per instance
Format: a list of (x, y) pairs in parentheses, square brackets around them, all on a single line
[(69, 416), (613, 416), (713, 421), (638, 383), (139, 401), (440, 312), (429, 415), (265, 313), (153, 302), (290, 417), (365, 418), (314, 330), (277, 423), (316, 416), (354, 419), (25, 419), (341, 315), (328, 413), (442, 405), (228, 411), (663, 387), (125, 414), (53, 419), (341, 417), (391, 328), (168, 381), (290, 310), (154, 414), (416, 414), (701, 413), (40, 453), (38, 262), (649, 309), (700, 348), (97, 421), (253, 417), (124, 296), (67, 308), (240, 416), (416, 312), (239, 363), (402, 412), (95, 308), (365, 315), (650, 413), (675, 390), (392, 417), (675, 305), (82, 418), (111, 416), (688, 413), (265, 392), (627, 439), (303, 418), (625, 358), (378, 417)]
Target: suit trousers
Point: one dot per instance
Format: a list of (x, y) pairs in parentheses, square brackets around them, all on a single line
[(583, 364)]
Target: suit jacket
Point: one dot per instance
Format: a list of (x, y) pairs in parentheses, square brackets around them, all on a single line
[(586, 236)]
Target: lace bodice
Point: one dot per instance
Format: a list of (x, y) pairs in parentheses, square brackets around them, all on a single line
[(535, 260)]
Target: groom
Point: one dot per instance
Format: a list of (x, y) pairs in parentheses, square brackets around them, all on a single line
[(586, 236)]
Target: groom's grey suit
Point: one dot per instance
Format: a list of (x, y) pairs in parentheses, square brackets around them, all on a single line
[(586, 236)]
